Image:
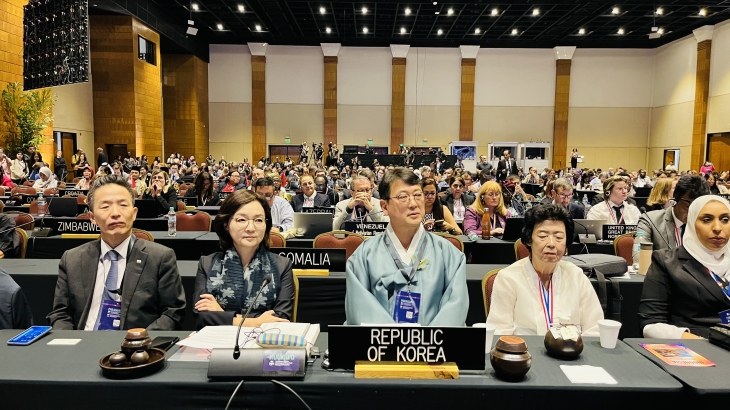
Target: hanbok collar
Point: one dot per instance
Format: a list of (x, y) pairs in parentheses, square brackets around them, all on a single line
[(405, 255)]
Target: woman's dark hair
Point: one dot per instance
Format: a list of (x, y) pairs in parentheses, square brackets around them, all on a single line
[(230, 206), (543, 213), (200, 190), (438, 209), (397, 174), (694, 185)]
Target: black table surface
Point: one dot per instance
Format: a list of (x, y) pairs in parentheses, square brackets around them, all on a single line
[(68, 376), (321, 298), (701, 380)]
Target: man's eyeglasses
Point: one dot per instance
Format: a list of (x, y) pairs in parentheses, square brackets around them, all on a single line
[(406, 198), (565, 196)]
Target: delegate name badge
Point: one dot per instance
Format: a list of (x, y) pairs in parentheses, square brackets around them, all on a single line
[(725, 317), (407, 306), (111, 313)]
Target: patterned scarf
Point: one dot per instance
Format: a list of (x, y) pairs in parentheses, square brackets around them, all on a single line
[(234, 288)]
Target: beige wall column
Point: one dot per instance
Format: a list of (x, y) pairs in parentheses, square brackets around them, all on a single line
[(258, 100), (563, 60), (466, 110), (703, 35), (398, 96), (330, 52)]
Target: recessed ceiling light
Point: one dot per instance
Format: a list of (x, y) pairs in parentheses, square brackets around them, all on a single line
[(322, 10), (364, 10), (514, 31), (435, 3), (582, 31), (195, 6), (703, 12), (408, 11), (615, 10), (477, 31), (220, 26), (365, 30), (495, 12), (258, 27), (660, 31), (451, 11), (535, 12), (660, 11), (437, 12), (241, 8), (328, 30), (403, 30), (620, 31), (440, 32)]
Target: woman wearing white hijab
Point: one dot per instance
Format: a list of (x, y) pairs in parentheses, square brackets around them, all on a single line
[(686, 288), (46, 181)]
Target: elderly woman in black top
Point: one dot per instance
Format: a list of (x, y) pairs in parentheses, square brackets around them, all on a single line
[(227, 281)]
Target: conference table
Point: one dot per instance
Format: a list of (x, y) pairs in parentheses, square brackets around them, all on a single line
[(321, 298), (69, 377)]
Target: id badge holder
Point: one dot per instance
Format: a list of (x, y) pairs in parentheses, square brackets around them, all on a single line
[(407, 307), (111, 313), (725, 317)]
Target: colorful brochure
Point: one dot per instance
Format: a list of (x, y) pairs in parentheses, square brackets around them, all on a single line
[(677, 354)]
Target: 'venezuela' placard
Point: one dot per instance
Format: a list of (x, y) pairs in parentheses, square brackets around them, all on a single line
[(366, 228), (308, 258)]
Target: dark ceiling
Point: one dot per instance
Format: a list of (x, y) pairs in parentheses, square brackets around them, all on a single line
[(431, 24)]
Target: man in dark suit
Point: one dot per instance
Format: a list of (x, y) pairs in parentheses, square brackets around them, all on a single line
[(118, 282), (506, 166), (101, 157), (15, 312), (309, 197), (438, 167), (563, 195)]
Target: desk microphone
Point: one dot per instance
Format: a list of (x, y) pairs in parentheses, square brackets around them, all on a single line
[(588, 237), (237, 349), (643, 212)]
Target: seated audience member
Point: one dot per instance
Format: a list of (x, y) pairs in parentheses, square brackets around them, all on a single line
[(190, 178), (320, 185), (489, 198), (434, 211), (670, 222), (661, 194), (642, 179), (456, 200), (138, 186), (5, 179), (562, 194), (45, 180), (228, 281), (203, 190), (686, 288), (421, 267), (598, 181), (232, 183), (162, 191), (85, 181), (615, 209), (309, 198), (282, 214), (360, 207), (7, 236), (469, 187), (15, 312), (532, 177), (711, 180), (88, 290), (521, 291)]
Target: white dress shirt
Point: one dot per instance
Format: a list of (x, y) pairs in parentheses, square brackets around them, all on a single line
[(516, 307), (102, 271), (603, 211), (405, 255), (309, 200)]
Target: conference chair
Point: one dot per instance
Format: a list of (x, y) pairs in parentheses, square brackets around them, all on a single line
[(81, 199), (181, 206), (33, 209), (23, 190), (62, 185), (193, 221), (2, 190), (623, 246), (142, 234), (84, 216), (182, 192), (22, 219), (50, 192), (28, 183), (296, 298), (22, 235), (453, 239), (521, 250), (2, 206), (487, 286), (76, 180), (277, 240), (328, 240)]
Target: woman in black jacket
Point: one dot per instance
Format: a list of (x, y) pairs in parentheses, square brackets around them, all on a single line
[(161, 190), (203, 190), (59, 166)]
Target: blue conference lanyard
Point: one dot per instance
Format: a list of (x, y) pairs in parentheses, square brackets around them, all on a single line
[(547, 303), (722, 283)]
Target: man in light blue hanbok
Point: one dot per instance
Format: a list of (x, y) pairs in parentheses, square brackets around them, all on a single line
[(406, 275)]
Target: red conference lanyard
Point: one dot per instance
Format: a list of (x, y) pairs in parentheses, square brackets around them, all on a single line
[(494, 221), (677, 236), (458, 209), (613, 215), (547, 302)]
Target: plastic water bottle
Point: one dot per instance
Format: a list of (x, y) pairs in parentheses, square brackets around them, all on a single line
[(586, 204), (528, 205), (171, 222), (41, 206), (637, 247), (473, 237)]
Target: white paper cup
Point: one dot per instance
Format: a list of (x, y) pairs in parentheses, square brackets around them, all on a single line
[(608, 329), (490, 335)]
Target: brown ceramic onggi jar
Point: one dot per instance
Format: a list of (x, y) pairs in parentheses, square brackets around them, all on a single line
[(510, 359), (135, 339)]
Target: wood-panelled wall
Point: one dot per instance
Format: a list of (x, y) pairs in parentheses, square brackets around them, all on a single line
[(398, 104), (127, 91), (562, 105), (258, 107), (702, 89), (330, 101), (719, 150), (466, 112), (185, 108)]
